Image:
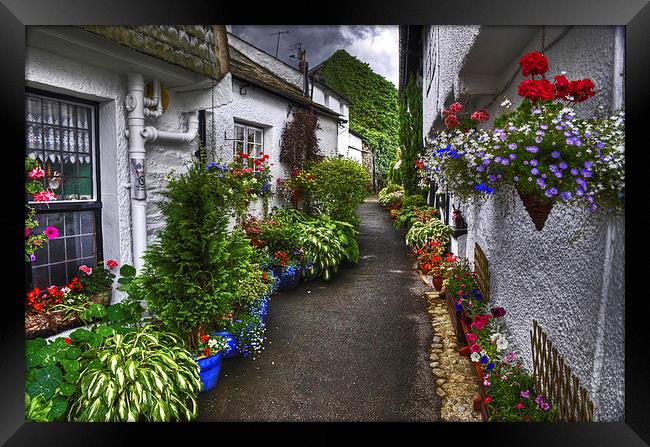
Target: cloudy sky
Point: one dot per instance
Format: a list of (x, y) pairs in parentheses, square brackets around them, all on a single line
[(375, 45)]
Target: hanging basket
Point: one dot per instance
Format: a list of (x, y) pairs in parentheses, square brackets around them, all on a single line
[(537, 208)]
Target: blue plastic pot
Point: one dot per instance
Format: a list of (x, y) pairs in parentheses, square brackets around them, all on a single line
[(210, 369), (288, 281), (232, 350)]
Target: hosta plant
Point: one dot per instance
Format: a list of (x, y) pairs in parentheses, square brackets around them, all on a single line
[(422, 232), (141, 375)]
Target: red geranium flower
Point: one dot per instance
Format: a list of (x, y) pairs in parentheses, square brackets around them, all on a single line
[(475, 348), (206, 352), (536, 89), (456, 107), (581, 90), (487, 400), (451, 121), (533, 63), (67, 340), (561, 87), (205, 338), (111, 264), (480, 115)]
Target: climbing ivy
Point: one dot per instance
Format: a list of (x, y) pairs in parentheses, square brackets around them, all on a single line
[(373, 108), (299, 143)]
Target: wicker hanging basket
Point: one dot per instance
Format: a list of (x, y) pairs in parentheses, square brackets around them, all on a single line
[(537, 208)]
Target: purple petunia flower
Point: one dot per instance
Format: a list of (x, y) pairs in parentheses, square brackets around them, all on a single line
[(558, 174), (579, 192), (525, 394), (480, 168), (486, 161), (567, 133), (512, 146), (541, 183), (497, 159), (588, 164), (586, 173), (552, 168)]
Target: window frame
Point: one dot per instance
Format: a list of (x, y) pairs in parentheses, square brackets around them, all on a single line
[(245, 142), (67, 206)]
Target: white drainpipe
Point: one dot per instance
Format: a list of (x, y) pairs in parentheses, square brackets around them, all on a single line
[(138, 106)]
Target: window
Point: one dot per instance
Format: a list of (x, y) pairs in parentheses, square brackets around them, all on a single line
[(61, 136), (249, 140), (326, 100)]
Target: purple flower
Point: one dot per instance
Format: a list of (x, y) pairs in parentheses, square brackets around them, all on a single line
[(551, 192), (566, 196), (532, 149), (558, 174), (512, 156), (515, 178), (533, 162), (486, 161), (490, 366), (502, 136), (526, 162), (567, 133), (552, 168), (586, 173), (600, 144), (581, 182), (541, 183), (574, 171), (563, 165), (579, 192), (559, 127), (484, 359), (497, 146), (512, 146), (577, 141), (545, 406), (32, 258), (555, 154), (543, 126), (492, 178), (534, 171), (480, 168), (588, 164), (505, 162), (525, 394), (539, 399), (543, 175), (497, 159), (539, 139), (569, 141), (537, 111)]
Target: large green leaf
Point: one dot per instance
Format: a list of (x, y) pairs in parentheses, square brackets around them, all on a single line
[(70, 365), (59, 405), (67, 389), (36, 388), (50, 376)]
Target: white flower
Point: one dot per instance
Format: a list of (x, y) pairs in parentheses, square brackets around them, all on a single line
[(475, 357), (506, 103), (502, 344)]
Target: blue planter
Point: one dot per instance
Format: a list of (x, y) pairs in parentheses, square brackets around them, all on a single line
[(232, 345), (287, 280), (210, 369)]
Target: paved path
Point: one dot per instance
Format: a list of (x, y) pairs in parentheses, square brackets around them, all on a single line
[(352, 349)]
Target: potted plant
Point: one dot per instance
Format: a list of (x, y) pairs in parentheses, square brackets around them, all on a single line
[(209, 353), (98, 281)]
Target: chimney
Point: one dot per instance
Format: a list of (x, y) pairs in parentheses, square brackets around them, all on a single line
[(306, 77), (301, 63)]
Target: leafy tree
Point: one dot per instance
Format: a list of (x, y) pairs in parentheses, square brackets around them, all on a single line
[(410, 134)]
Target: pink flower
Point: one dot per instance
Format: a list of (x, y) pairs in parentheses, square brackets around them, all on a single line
[(471, 337), (487, 400), (456, 108), (26, 232), (111, 264), (87, 270), (51, 232), (525, 394), (36, 173), (519, 405), (44, 196), (475, 348)]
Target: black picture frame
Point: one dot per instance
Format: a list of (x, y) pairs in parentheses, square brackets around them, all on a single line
[(634, 14)]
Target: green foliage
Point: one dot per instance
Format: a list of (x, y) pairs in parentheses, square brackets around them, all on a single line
[(37, 409), (391, 194), (430, 230), (249, 331), (100, 279), (414, 201), (142, 374), (410, 133), (299, 143), (252, 287), (339, 186), (191, 272), (373, 108)]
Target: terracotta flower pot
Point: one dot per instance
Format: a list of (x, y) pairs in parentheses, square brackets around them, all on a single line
[(437, 283), (538, 208), (103, 297)]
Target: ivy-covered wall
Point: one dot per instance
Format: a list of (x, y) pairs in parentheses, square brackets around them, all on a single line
[(373, 108)]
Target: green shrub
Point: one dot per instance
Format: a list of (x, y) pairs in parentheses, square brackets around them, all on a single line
[(391, 194), (339, 187), (414, 201), (192, 271), (430, 230), (142, 374)]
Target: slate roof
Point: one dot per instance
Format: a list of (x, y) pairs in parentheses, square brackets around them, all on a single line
[(188, 46), (247, 70)]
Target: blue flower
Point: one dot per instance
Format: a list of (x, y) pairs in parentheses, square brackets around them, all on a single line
[(534, 171), (566, 195), (484, 188), (533, 162), (459, 307), (512, 146), (484, 359), (574, 171), (563, 165), (588, 164), (586, 173), (600, 144), (532, 149), (579, 192), (480, 168), (490, 366), (558, 174), (555, 154), (541, 183), (497, 159), (552, 168)]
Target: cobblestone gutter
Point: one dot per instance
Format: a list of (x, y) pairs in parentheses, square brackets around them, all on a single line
[(455, 377)]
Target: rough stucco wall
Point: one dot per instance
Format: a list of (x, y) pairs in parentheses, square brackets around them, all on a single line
[(454, 42), (278, 67), (55, 73), (569, 276)]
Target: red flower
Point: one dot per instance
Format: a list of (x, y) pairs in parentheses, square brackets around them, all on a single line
[(533, 63), (87, 270), (264, 276), (480, 115), (561, 87), (205, 338), (111, 264), (581, 90), (536, 89), (206, 352), (471, 337), (67, 340), (487, 400), (519, 405), (456, 108), (451, 121), (419, 164), (475, 348)]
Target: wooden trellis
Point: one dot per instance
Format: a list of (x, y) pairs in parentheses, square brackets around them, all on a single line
[(482, 271), (555, 380)]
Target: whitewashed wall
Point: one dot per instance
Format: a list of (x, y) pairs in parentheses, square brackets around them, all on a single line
[(569, 276)]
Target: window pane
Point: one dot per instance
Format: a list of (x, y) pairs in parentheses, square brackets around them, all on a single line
[(87, 222), (71, 224), (57, 249), (40, 277), (238, 147), (34, 136), (33, 110), (52, 138), (83, 117), (51, 112), (87, 245), (73, 247), (239, 132), (58, 274), (41, 256)]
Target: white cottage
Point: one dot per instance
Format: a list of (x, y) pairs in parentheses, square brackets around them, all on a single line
[(111, 111)]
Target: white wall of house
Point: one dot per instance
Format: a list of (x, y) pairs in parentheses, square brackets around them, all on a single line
[(333, 101), (569, 276), (355, 148), (55, 73)]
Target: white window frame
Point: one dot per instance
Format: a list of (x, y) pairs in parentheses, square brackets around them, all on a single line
[(246, 145)]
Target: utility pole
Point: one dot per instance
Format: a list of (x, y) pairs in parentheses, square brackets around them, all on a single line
[(277, 46)]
